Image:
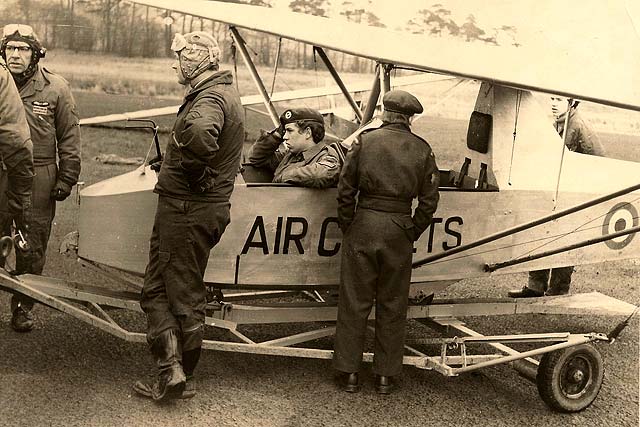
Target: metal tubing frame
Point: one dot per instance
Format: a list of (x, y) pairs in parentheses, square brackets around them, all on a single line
[(338, 80), (526, 226), (94, 297), (241, 44)]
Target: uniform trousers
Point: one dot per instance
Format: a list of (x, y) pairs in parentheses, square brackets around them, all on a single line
[(174, 294), (376, 266)]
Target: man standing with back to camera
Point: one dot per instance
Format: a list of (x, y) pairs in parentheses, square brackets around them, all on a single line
[(194, 187), (386, 168), (53, 121)]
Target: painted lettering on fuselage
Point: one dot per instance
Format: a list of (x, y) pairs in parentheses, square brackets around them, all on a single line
[(291, 233)]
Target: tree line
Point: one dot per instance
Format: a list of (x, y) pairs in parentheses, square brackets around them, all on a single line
[(122, 28)]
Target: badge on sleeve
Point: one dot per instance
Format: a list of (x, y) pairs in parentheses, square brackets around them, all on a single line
[(40, 107)]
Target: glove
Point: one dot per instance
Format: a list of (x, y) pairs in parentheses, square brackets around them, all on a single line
[(60, 191), (156, 163), (278, 132), (200, 183)]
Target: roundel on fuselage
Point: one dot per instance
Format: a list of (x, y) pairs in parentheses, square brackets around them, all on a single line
[(620, 217)]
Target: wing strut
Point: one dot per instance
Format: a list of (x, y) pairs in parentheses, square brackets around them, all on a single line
[(370, 108), (240, 43), (339, 82), (527, 225), (496, 266), (275, 66)]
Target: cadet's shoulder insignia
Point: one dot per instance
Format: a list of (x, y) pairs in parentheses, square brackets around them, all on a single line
[(328, 162)]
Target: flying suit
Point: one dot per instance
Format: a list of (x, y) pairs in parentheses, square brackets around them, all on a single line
[(55, 132), (386, 168), (194, 186)]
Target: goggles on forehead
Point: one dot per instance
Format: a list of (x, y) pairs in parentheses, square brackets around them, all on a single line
[(180, 42), (21, 29)]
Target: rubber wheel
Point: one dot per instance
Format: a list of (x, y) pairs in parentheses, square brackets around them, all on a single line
[(569, 380)]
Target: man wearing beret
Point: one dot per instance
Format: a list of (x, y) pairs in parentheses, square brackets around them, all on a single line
[(194, 187), (307, 160), (385, 169)]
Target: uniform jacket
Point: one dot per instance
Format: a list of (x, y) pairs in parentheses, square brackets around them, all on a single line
[(15, 142), (389, 167), (581, 137), (317, 167), (53, 121), (206, 143)]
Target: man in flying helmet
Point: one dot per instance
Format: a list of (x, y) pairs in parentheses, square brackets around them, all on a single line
[(194, 186), (54, 125)]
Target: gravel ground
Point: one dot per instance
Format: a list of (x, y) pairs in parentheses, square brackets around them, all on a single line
[(66, 373)]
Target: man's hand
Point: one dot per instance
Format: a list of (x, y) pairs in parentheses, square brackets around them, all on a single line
[(156, 163), (278, 132), (61, 190), (203, 182)]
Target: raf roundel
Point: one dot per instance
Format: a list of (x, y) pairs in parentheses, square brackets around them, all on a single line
[(620, 217)]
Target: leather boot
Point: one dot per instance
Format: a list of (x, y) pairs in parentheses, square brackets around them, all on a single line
[(384, 384), (189, 362), (170, 381), (21, 316)]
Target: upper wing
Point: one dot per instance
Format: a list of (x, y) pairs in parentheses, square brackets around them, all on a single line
[(597, 63)]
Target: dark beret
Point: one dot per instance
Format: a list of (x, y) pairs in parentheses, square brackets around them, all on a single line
[(401, 102), (293, 115)]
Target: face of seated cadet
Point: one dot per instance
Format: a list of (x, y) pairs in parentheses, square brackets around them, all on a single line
[(297, 140)]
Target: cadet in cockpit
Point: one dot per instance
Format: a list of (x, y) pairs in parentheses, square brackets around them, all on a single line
[(307, 160)]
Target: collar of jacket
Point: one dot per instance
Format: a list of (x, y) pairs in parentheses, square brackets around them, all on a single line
[(396, 126), (35, 83), (313, 151), (221, 77), (560, 119)]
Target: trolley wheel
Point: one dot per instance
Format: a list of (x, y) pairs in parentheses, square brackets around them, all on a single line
[(569, 379)]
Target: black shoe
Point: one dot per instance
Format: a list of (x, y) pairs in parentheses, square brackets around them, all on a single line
[(384, 384), (524, 293), (349, 382)]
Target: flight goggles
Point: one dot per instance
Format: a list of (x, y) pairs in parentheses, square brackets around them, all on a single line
[(180, 42), (21, 29)]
